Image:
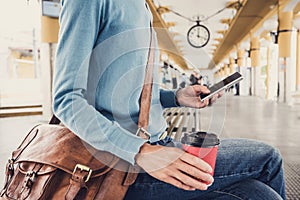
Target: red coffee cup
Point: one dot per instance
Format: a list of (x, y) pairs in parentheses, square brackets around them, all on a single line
[(203, 145)]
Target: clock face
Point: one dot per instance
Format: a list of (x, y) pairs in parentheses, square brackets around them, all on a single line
[(198, 36)]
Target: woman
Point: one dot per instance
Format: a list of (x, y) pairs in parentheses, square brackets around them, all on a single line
[(100, 64)]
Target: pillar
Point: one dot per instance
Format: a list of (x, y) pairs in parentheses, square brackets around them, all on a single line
[(49, 29), (285, 30), (241, 58), (231, 65), (219, 74), (255, 64), (227, 70), (255, 51), (272, 70), (285, 44), (241, 62), (49, 38), (298, 62), (223, 71), (268, 67)]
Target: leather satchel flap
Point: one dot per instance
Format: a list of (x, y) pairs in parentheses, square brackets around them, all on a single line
[(25, 167), (59, 147)]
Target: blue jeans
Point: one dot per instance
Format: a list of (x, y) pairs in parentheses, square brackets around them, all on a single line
[(245, 169)]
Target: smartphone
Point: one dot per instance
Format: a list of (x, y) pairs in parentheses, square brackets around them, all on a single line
[(225, 83)]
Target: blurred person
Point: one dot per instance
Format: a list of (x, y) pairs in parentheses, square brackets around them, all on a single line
[(184, 79), (194, 78)]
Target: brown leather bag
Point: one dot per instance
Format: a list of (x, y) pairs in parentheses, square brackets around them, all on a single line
[(54, 163)]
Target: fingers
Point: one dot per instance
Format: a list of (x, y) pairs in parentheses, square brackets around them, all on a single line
[(175, 166), (198, 90), (202, 104), (220, 94), (186, 177), (195, 175), (197, 170), (190, 96), (197, 162), (201, 89), (178, 183), (213, 99), (190, 182)]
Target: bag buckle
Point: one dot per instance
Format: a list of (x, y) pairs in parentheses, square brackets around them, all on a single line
[(9, 172), (30, 178), (84, 168), (10, 164), (141, 132)]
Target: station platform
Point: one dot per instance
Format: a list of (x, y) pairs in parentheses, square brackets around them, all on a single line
[(231, 117)]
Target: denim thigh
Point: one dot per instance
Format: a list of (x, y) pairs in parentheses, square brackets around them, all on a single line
[(242, 166)]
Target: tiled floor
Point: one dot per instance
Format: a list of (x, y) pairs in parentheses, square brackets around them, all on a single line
[(249, 117), (275, 123)]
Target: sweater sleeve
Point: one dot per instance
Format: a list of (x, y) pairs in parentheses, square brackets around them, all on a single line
[(168, 98), (80, 24)]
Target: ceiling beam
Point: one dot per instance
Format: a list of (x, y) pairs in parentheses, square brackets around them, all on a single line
[(165, 39), (297, 8), (251, 13)]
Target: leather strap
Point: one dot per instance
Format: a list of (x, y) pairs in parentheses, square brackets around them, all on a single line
[(144, 109), (77, 184), (29, 181), (9, 172), (147, 88)]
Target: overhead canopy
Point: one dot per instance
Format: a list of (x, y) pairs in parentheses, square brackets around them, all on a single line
[(252, 12), (297, 8), (165, 39)]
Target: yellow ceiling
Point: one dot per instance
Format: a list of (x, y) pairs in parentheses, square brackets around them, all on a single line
[(297, 8), (252, 12), (165, 39), (248, 18)]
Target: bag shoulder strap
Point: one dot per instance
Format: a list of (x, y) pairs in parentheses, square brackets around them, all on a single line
[(146, 94)]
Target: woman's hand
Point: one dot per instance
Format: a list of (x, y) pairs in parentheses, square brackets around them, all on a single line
[(190, 96), (174, 166)]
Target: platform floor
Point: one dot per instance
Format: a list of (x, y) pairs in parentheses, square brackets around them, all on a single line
[(232, 116)]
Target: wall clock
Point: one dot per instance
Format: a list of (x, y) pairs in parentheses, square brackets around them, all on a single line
[(198, 35)]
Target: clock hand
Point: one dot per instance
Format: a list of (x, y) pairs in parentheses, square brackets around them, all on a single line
[(202, 37)]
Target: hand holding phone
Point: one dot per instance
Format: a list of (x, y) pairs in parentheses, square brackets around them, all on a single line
[(225, 83)]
